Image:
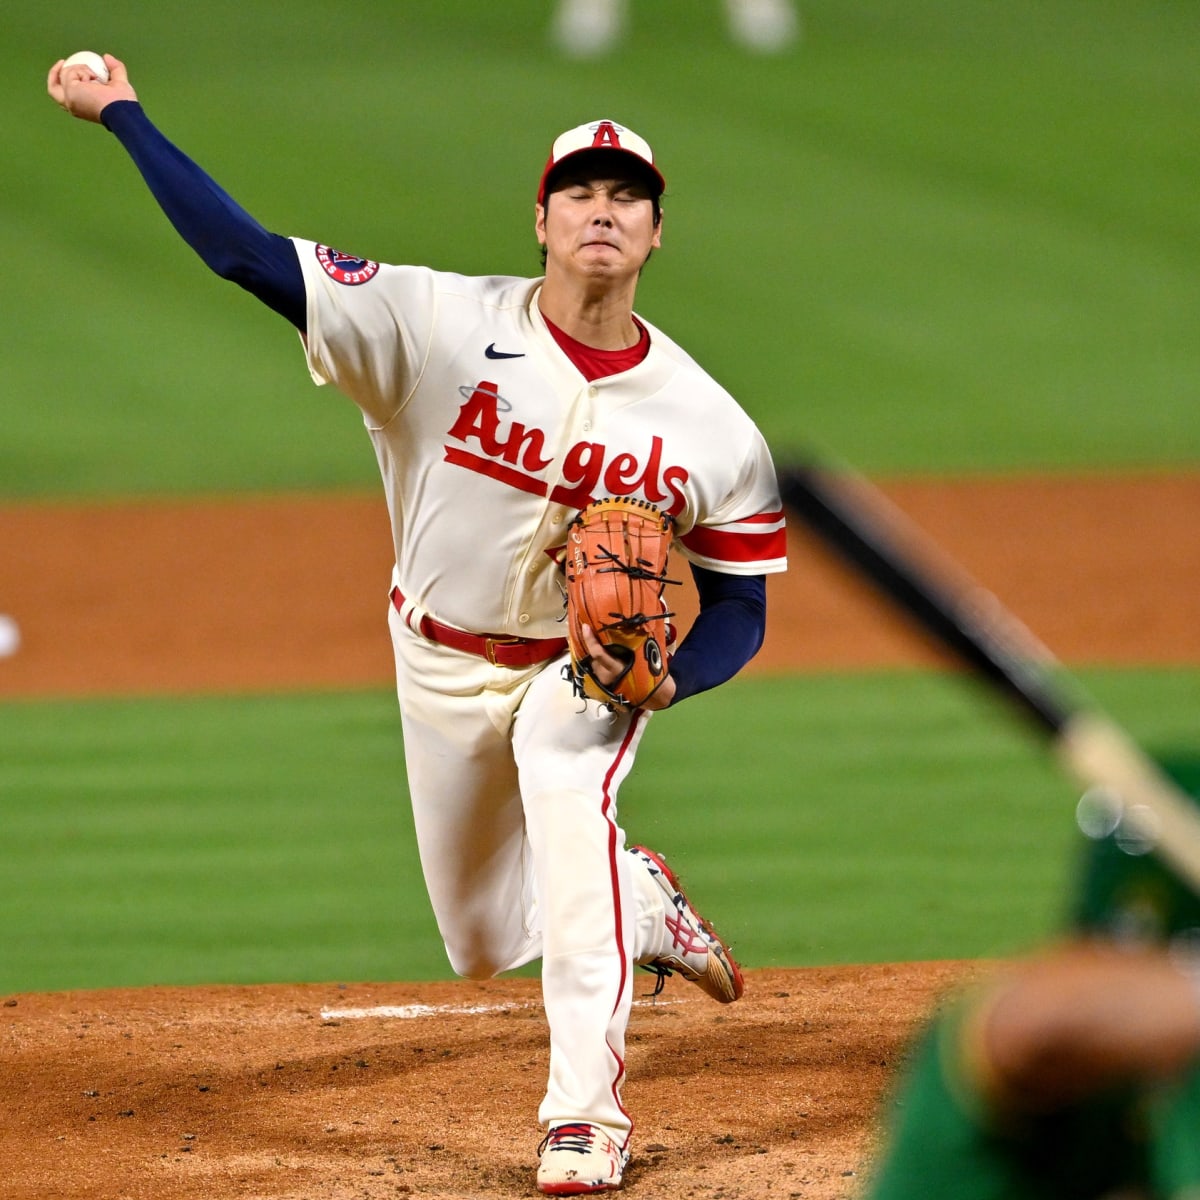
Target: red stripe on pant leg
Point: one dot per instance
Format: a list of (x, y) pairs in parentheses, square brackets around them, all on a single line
[(614, 876)]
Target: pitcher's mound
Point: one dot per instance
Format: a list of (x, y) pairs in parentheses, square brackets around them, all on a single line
[(346, 1092)]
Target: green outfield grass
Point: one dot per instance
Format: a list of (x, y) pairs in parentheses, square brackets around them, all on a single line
[(942, 235), (878, 817)]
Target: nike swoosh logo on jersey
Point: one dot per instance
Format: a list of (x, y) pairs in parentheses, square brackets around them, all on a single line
[(492, 352)]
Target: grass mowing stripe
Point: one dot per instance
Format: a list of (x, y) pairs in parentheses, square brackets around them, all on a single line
[(880, 242), (222, 840), (819, 819)]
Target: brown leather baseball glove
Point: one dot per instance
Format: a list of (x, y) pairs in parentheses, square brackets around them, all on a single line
[(616, 566)]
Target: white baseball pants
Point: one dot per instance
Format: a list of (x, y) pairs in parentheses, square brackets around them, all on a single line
[(514, 783)]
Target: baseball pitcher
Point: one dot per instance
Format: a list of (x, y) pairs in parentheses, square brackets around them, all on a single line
[(504, 413)]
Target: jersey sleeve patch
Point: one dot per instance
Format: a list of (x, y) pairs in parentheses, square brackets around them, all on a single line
[(345, 268)]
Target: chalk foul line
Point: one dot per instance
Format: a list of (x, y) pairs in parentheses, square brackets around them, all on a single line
[(411, 1012)]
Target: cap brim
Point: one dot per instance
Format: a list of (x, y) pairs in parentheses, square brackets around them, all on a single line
[(646, 170)]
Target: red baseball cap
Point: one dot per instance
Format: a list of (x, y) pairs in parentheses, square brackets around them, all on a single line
[(600, 135)]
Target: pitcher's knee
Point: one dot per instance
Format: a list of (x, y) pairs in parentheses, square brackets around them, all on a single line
[(485, 958), (489, 957), (473, 966), (484, 945)]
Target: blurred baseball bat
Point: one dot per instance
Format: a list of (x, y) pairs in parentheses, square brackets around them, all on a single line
[(862, 527)]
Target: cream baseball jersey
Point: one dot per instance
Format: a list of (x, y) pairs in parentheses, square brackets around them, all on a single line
[(489, 440)]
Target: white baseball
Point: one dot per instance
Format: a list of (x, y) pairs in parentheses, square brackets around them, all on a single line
[(10, 636), (91, 60)]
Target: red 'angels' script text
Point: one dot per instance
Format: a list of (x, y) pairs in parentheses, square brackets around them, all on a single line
[(513, 454)]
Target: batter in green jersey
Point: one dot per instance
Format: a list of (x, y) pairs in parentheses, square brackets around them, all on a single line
[(1075, 1073)]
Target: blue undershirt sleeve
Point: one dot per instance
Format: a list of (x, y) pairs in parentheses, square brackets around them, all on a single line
[(726, 634), (230, 241)]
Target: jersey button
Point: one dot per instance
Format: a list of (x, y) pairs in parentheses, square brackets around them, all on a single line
[(523, 619), (586, 426), (593, 391)]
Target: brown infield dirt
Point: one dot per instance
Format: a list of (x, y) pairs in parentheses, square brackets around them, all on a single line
[(394, 1089)]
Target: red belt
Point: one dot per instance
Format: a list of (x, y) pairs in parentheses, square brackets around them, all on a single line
[(499, 650)]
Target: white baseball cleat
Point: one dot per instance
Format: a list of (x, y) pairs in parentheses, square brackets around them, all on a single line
[(690, 947), (578, 1158)]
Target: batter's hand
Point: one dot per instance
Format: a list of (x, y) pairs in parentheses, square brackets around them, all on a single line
[(78, 91), (608, 670)]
